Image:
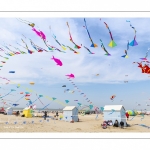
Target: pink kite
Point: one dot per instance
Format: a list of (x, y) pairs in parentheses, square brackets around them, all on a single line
[(71, 75), (39, 33), (58, 61)]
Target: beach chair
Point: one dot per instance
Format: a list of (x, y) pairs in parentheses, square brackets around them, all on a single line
[(15, 122), (7, 123), (47, 120), (24, 122)]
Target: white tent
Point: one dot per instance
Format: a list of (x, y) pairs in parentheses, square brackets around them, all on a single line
[(9, 111), (115, 112), (70, 113)]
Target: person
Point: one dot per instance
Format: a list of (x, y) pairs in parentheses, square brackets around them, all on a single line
[(110, 123), (122, 124), (104, 125), (57, 114), (17, 113), (116, 124), (45, 115), (127, 115)]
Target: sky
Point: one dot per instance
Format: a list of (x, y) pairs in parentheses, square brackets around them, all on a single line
[(49, 77)]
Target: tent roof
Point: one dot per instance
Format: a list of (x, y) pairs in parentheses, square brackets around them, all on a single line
[(69, 107), (115, 107), (9, 108), (26, 108)]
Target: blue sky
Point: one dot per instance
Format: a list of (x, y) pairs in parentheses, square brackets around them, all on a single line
[(98, 89)]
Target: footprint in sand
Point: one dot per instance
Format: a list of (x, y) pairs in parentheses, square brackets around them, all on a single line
[(78, 129)]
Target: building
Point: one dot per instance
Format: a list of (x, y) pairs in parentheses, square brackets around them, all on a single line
[(70, 113), (114, 112), (9, 111), (27, 112)]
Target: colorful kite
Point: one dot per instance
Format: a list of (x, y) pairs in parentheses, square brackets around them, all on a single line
[(71, 75), (76, 46), (102, 46), (112, 43), (133, 43), (112, 97), (26, 22), (93, 45), (88, 50), (54, 36), (145, 58), (126, 54)]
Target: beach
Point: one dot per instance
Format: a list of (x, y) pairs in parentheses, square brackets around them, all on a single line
[(87, 123)]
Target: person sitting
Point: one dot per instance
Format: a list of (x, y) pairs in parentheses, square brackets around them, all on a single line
[(122, 124), (110, 123), (17, 113), (116, 124), (104, 125)]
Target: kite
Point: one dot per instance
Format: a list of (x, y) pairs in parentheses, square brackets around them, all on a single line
[(71, 75), (133, 43), (90, 106), (18, 85), (127, 21), (32, 83), (39, 33), (126, 54), (112, 112), (112, 43), (62, 46), (26, 22), (145, 58), (39, 98), (57, 49), (112, 97), (4, 57), (64, 86), (11, 71), (73, 50), (8, 93), (88, 50), (27, 98), (29, 51), (76, 46), (58, 61), (15, 105), (93, 45), (145, 68), (66, 101), (102, 46), (39, 49)]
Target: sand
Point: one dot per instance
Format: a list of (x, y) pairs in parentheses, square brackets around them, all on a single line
[(87, 124)]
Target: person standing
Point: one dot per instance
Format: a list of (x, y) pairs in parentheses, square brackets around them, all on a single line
[(127, 115), (45, 115)]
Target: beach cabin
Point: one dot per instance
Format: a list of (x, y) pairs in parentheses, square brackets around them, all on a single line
[(9, 111), (114, 112), (70, 113), (27, 112)]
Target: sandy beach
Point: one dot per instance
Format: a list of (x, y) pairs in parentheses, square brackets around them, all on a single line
[(87, 124)]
